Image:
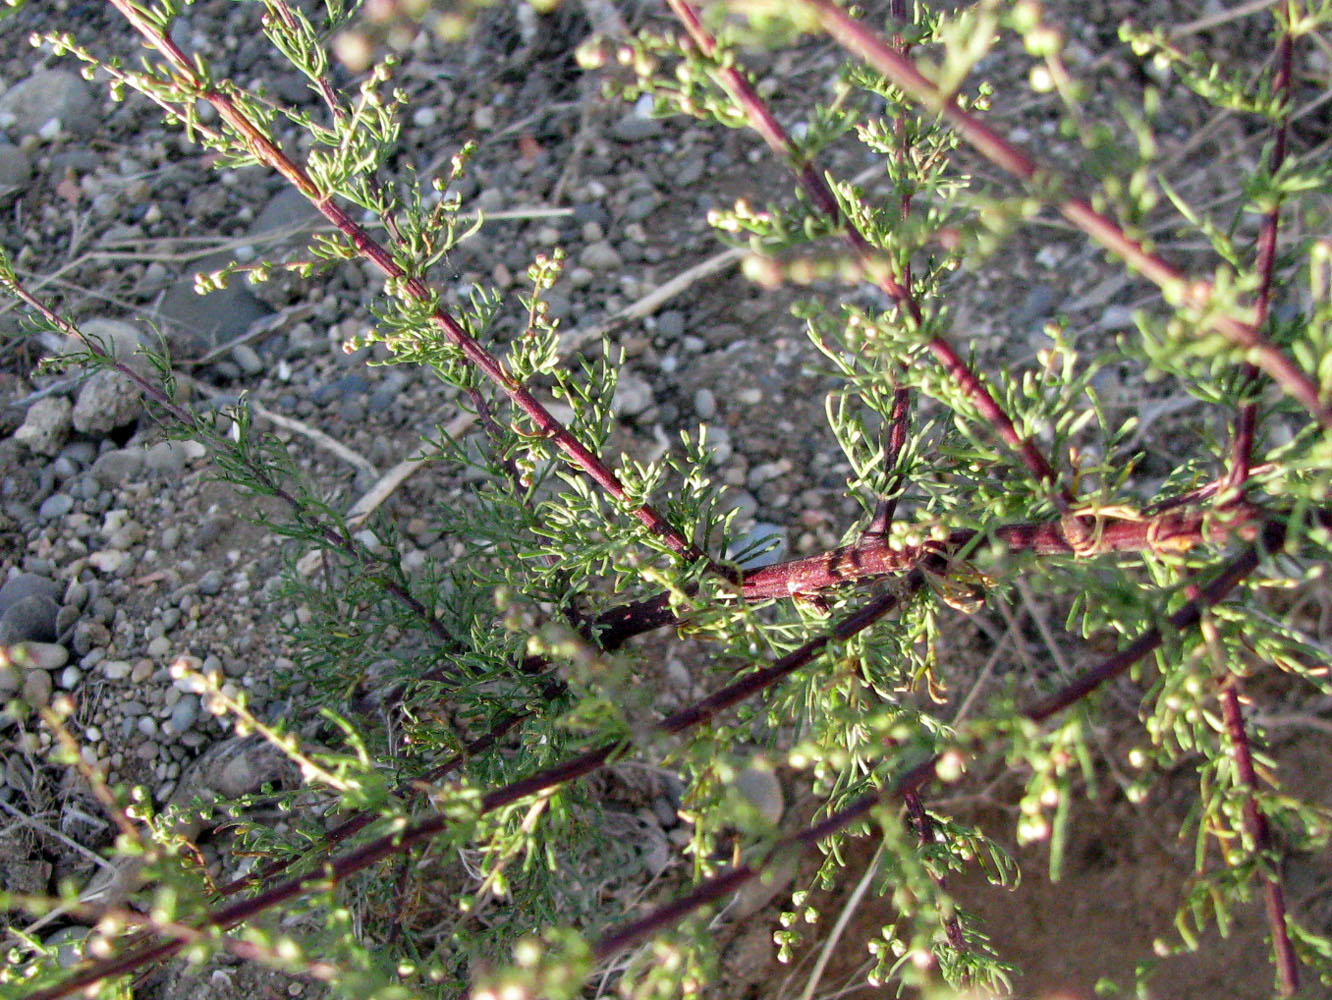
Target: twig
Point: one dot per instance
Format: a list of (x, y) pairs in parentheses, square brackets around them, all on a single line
[(268, 153), (762, 121), (651, 302), (1196, 294), (320, 439)]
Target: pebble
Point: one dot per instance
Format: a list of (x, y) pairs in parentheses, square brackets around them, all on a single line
[(70, 677), (37, 688), (184, 713), (601, 256), (15, 172), (115, 670), (247, 358), (211, 582), (634, 128), (43, 655), (774, 540), (31, 618), (106, 401), (46, 425), (143, 669), (49, 95), (115, 468), (159, 648), (633, 395), (705, 404), (166, 458), (55, 506), (109, 562), (670, 323)]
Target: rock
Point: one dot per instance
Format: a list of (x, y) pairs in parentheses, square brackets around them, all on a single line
[(247, 359), (106, 401), (286, 220), (15, 172), (633, 395), (601, 256), (115, 670), (236, 767), (195, 324), (634, 128), (705, 404), (210, 584), (49, 95), (41, 655), (765, 543), (37, 688), (115, 468), (166, 458), (114, 337), (31, 619), (47, 425), (671, 323), (108, 562), (183, 714), (68, 942), (57, 505)]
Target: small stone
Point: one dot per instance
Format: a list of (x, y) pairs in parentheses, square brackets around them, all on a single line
[(166, 458), (106, 401), (483, 117), (210, 584), (41, 655), (633, 395), (248, 359), (113, 337), (184, 713), (147, 725), (159, 648), (143, 669), (601, 256), (70, 677), (671, 323), (37, 688), (117, 467), (634, 128), (15, 171), (56, 506), (705, 404), (765, 544), (33, 618), (46, 425), (108, 562), (49, 95), (89, 635), (115, 670)]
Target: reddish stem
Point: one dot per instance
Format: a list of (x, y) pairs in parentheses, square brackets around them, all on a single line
[(1255, 825), (1179, 290), (268, 153), (1246, 422), (892, 284)]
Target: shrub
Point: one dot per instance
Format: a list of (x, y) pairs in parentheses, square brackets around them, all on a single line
[(516, 671)]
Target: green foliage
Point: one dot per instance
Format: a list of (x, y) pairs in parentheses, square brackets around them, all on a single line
[(509, 893)]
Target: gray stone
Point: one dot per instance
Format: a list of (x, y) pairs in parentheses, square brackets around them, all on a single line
[(115, 468), (184, 713), (633, 395), (15, 172), (211, 582), (287, 219), (197, 323), (106, 401), (166, 458), (42, 655), (670, 323), (47, 425), (247, 359), (765, 543), (601, 256), (705, 404), (55, 506), (47, 95), (114, 337), (116, 670), (70, 677), (22, 585), (37, 688), (31, 619), (634, 128)]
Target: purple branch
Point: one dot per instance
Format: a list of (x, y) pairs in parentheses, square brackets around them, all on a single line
[(895, 285), (1255, 824), (1196, 294)]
